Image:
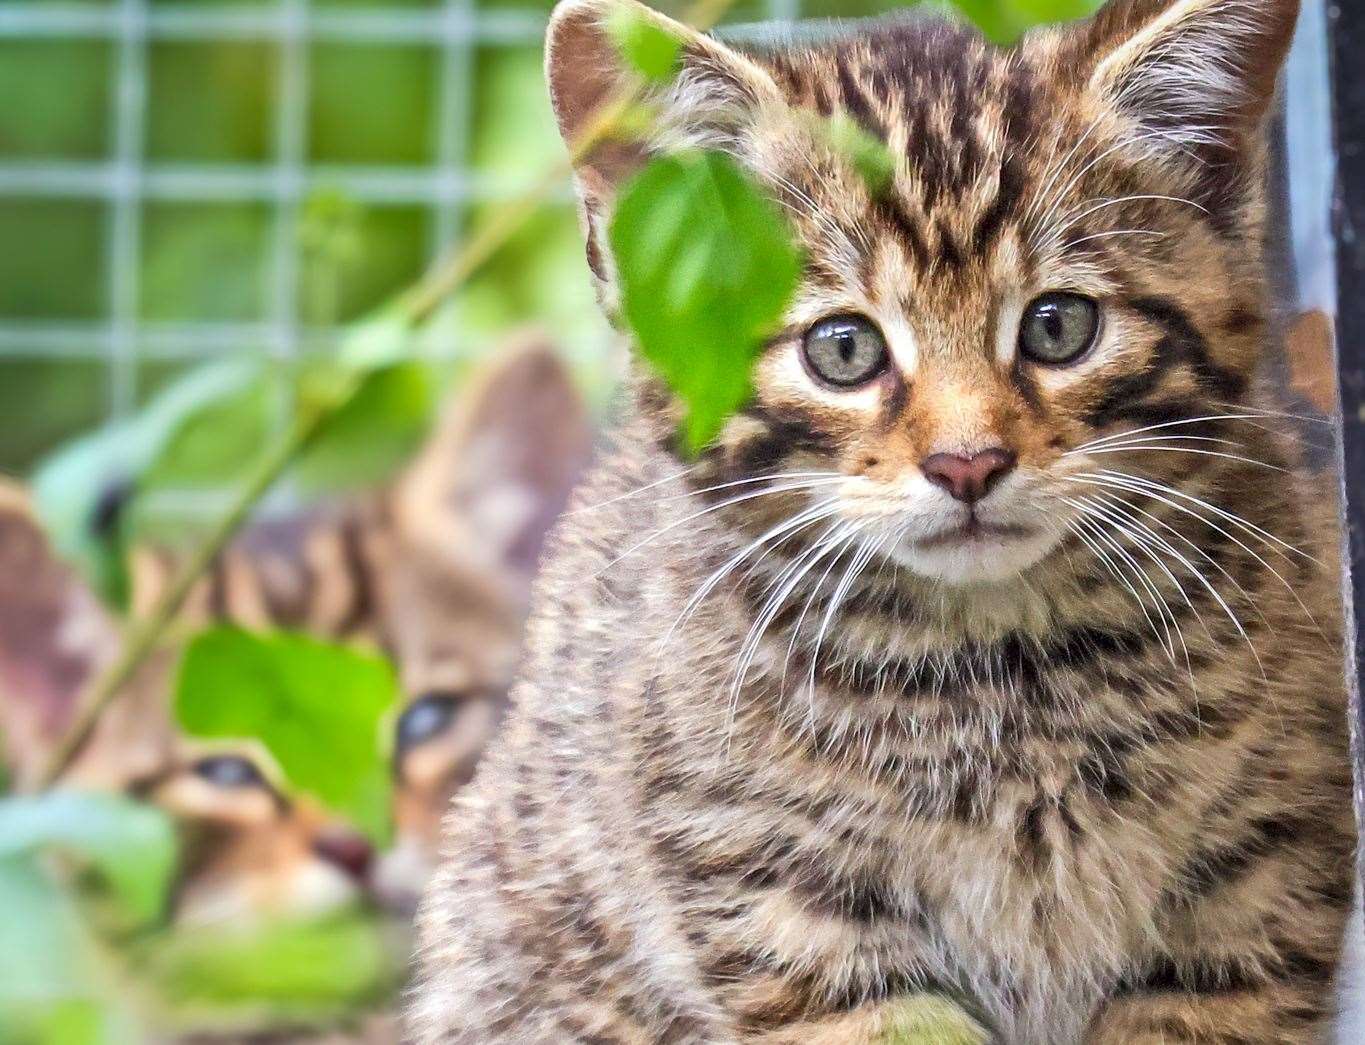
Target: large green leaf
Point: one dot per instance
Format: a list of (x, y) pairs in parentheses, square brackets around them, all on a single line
[(317, 707), (52, 989), (129, 845), (707, 267)]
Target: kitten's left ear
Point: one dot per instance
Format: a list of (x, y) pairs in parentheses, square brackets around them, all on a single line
[(1196, 76)]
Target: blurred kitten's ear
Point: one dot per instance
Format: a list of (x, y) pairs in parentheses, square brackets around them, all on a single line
[(1197, 77), (499, 468), (54, 635)]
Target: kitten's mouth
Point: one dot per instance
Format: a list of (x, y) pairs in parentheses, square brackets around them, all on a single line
[(973, 532)]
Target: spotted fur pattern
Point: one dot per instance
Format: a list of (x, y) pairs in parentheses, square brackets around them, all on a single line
[(782, 757)]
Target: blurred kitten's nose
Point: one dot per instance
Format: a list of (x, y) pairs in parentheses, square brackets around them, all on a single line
[(968, 478), (347, 850)]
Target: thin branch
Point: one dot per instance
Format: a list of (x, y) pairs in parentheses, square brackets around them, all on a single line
[(144, 635)]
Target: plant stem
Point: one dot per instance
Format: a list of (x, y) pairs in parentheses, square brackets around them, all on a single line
[(143, 635)]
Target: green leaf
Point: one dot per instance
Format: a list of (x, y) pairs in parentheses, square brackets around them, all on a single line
[(930, 1020), (72, 487), (381, 426), (651, 49), (707, 268), (317, 707), (293, 970), (130, 846), (216, 441), (864, 151)]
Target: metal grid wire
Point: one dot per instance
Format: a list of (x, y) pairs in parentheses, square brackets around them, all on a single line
[(124, 180)]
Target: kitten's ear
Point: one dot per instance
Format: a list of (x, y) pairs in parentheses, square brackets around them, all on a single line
[(500, 466), (708, 103), (714, 87), (1196, 76), (54, 635)]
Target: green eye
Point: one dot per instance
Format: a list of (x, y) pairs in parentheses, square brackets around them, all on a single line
[(1059, 328), (845, 351)]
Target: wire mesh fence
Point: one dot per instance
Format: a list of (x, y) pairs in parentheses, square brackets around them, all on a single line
[(223, 121)]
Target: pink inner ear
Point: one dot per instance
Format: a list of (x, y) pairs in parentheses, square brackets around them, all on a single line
[(535, 427)]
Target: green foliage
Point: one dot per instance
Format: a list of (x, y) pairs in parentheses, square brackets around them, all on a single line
[(930, 1020), (864, 151), (645, 44), (317, 707), (50, 977), (130, 847), (707, 266), (71, 487), (294, 969), (211, 427)]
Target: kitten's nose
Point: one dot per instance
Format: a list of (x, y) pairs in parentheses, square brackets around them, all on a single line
[(968, 478), (346, 849)]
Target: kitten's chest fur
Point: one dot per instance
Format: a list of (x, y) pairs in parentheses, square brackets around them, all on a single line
[(840, 871)]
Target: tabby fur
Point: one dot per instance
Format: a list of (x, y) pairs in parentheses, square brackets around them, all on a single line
[(751, 791)]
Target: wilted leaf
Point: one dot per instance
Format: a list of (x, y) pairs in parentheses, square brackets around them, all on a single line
[(644, 43), (707, 267), (317, 707), (130, 846)]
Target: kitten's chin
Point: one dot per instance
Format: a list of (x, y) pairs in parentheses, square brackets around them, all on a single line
[(977, 558)]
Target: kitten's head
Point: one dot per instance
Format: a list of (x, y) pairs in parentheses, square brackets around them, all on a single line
[(1069, 249)]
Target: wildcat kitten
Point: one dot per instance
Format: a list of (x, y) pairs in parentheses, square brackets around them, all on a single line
[(986, 652), (436, 571)]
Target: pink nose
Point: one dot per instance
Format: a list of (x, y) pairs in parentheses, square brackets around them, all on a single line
[(966, 478)]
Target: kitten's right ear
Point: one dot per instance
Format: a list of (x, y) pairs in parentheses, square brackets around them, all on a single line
[(714, 94), (1195, 77)]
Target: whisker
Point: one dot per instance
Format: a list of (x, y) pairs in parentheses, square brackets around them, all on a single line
[(1223, 513), (1166, 424), (1125, 447), (632, 493), (1101, 481), (1117, 232), (728, 503), (1163, 611), (787, 528)]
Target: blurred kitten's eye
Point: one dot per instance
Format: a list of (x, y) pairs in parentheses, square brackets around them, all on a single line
[(1058, 328), (423, 719), (845, 351), (229, 771)]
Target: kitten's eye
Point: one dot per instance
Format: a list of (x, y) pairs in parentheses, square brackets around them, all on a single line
[(423, 719), (845, 351), (229, 771), (1059, 328)]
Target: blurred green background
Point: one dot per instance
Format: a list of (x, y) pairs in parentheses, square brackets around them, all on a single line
[(211, 183)]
